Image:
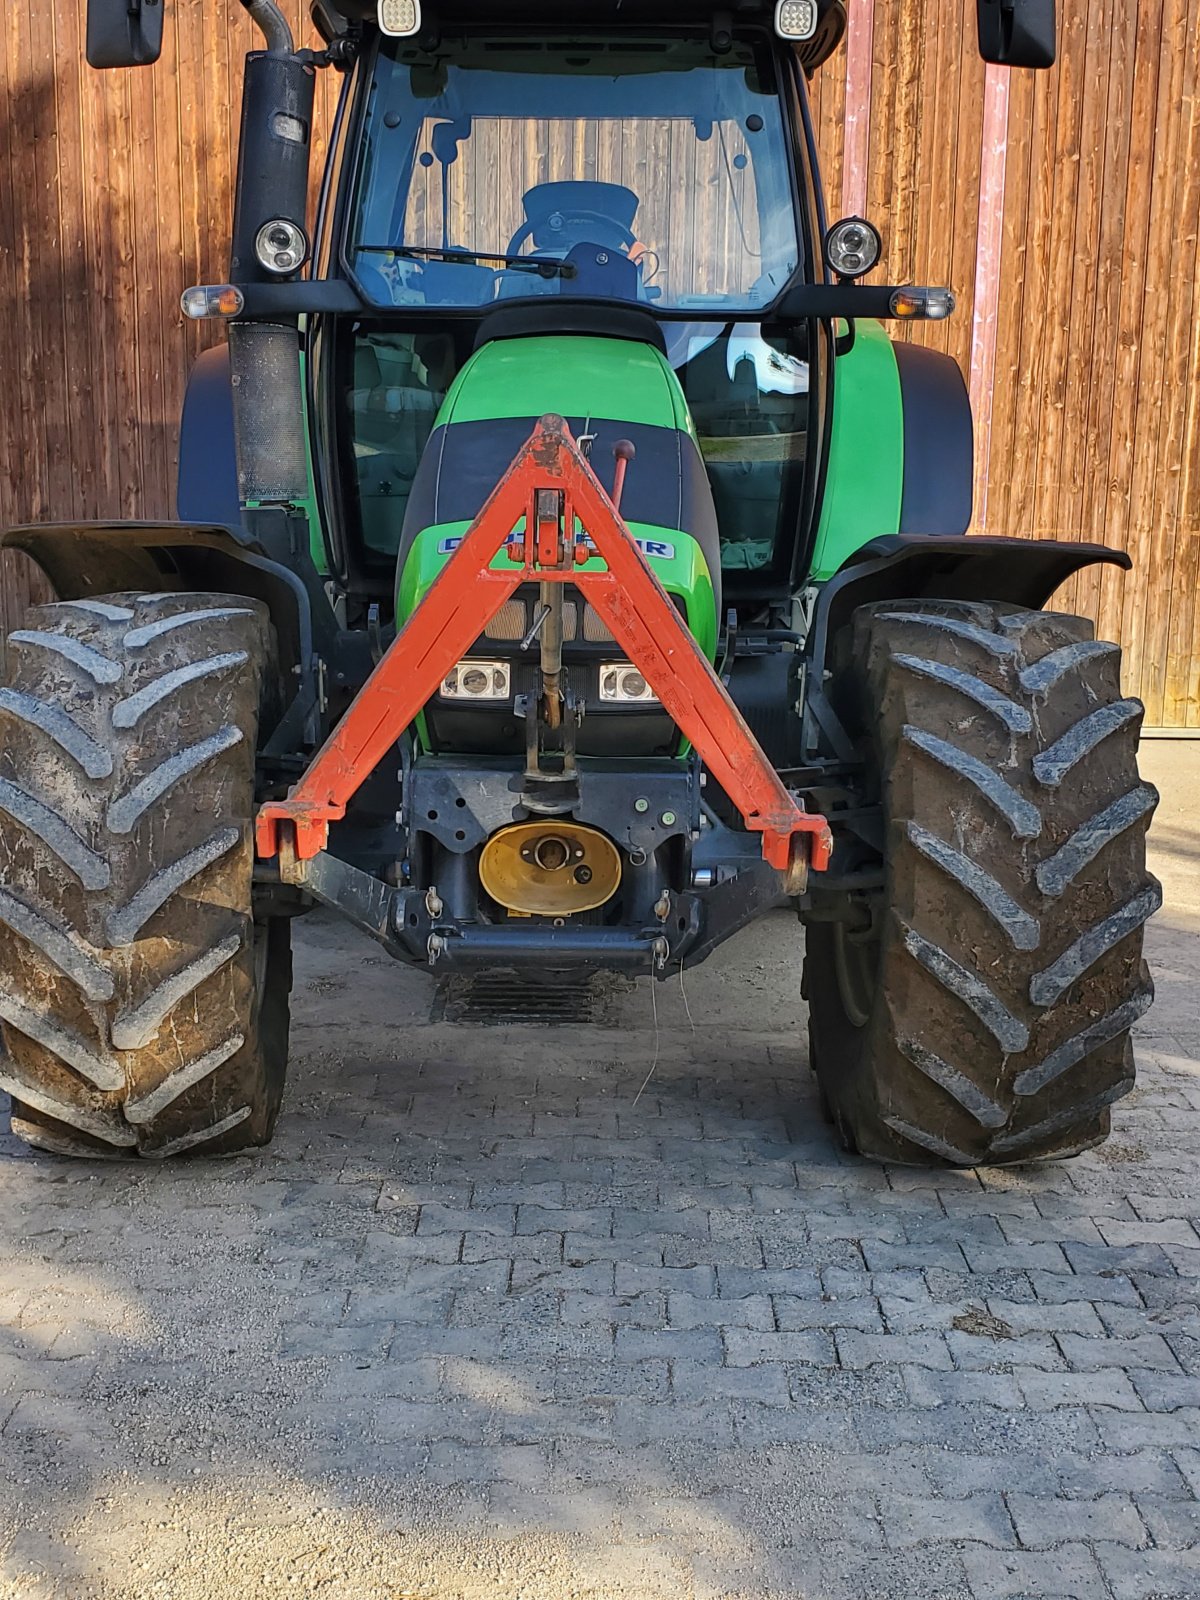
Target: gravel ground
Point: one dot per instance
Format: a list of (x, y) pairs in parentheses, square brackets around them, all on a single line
[(483, 1323)]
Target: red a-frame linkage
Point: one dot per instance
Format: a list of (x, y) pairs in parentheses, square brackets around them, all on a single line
[(627, 596)]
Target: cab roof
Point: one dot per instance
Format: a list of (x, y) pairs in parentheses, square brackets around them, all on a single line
[(831, 23)]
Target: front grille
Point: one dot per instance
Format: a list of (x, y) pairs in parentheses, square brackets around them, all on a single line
[(516, 616), (510, 623), (520, 999)]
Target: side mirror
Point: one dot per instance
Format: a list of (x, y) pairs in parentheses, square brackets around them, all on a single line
[(328, 21), (124, 33), (1017, 33)]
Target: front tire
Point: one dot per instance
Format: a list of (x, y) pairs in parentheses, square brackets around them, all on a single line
[(144, 1011), (978, 1011)]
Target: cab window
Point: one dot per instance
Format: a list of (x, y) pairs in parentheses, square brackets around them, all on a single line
[(506, 168), (390, 396), (749, 400)]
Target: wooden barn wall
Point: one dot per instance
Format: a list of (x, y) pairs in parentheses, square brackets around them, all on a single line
[(1089, 323), (1083, 341), (115, 195)]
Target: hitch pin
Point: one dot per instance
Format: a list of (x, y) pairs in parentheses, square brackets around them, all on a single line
[(539, 622)]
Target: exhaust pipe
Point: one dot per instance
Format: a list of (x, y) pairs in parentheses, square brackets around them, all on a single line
[(272, 186)]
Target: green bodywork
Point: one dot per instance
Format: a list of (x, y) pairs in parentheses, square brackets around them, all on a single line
[(864, 481), (617, 379), (685, 573), (623, 381), (611, 380)]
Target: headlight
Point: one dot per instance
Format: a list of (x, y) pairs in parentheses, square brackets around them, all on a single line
[(852, 247), (622, 684), (281, 246), (478, 680), (796, 19), (399, 19)]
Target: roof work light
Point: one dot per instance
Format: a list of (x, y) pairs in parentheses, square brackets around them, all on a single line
[(399, 19), (796, 19)]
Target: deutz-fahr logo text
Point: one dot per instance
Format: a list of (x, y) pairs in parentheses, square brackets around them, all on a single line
[(650, 547)]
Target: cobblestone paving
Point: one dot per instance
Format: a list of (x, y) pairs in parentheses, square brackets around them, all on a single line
[(482, 1323)]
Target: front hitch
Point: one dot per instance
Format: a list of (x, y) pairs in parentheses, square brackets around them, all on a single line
[(565, 518)]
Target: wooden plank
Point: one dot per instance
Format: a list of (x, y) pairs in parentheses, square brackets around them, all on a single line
[(938, 156), (125, 331), (49, 396), (1152, 525), (177, 335), (1104, 589), (1033, 300), (985, 307), (856, 144), (954, 336), (26, 221), (76, 312), (1180, 438), (1127, 447), (907, 112), (1056, 331), (884, 134), (827, 99), (101, 130), (995, 449), (1084, 290), (1184, 667), (143, 308), (11, 417)]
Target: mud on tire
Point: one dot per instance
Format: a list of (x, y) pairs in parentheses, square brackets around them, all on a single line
[(979, 1011), (143, 1011)]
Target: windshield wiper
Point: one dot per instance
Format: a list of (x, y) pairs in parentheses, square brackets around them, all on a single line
[(544, 268)]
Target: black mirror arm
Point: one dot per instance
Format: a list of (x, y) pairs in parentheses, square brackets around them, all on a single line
[(848, 300)]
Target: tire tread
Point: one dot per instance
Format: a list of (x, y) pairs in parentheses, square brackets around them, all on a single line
[(1010, 947), (142, 1010)]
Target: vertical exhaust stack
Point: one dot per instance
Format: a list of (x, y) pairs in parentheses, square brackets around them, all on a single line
[(272, 202)]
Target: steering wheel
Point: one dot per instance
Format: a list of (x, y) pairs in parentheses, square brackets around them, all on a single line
[(566, 224)]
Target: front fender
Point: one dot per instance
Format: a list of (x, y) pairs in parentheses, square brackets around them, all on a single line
[(1022, 572), (81, 559)]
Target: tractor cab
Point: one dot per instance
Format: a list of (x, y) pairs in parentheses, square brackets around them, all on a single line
[(596, 224)]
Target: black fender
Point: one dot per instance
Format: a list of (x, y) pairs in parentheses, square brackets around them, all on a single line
[(82, 559), (939, 443), (207, 486), (1022, 572)]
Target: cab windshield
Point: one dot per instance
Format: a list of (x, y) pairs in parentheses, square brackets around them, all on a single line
[(507, 167)]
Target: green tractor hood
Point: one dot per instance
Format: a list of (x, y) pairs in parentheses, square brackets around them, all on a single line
[(609, 389)]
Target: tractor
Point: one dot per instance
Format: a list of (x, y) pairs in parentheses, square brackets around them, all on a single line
[(570, 569)]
